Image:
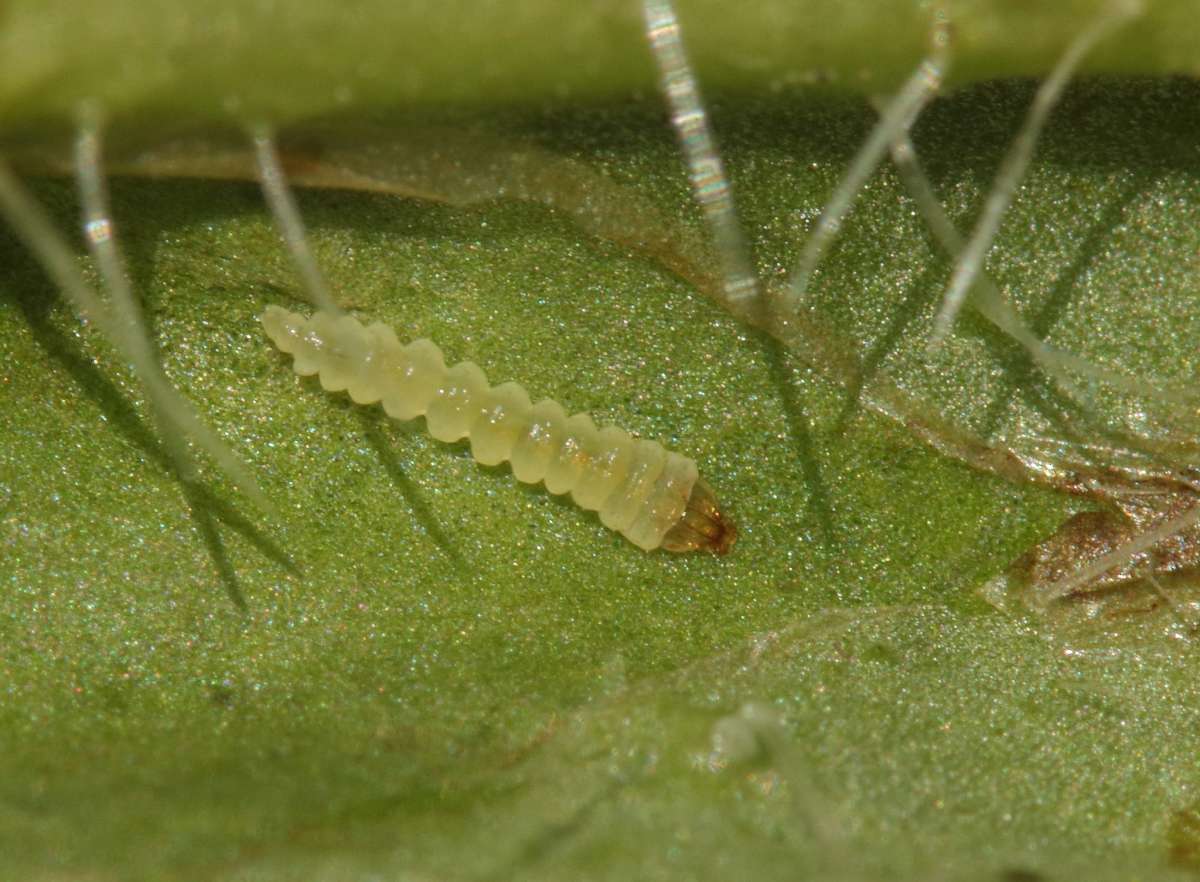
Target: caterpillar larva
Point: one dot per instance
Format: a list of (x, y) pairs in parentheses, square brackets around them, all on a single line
[(651, 496)]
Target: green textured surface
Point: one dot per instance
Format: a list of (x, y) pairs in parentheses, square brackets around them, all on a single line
[(440, 674), (168, 63)]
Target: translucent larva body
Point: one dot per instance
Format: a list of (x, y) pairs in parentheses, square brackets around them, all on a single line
[(652, 496)]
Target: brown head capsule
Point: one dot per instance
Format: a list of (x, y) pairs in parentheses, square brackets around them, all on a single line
[(703, 527)]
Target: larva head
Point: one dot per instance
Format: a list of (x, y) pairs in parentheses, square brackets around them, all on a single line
[(703, 527)]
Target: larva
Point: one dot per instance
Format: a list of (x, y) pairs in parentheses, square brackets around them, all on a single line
[(652, 496)]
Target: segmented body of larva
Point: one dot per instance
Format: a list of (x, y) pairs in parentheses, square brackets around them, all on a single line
[(652, 496)]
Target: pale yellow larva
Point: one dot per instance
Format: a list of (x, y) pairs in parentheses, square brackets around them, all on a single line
[(653, 497)]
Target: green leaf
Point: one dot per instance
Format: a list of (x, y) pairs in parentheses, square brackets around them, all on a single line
[(418, 668)]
